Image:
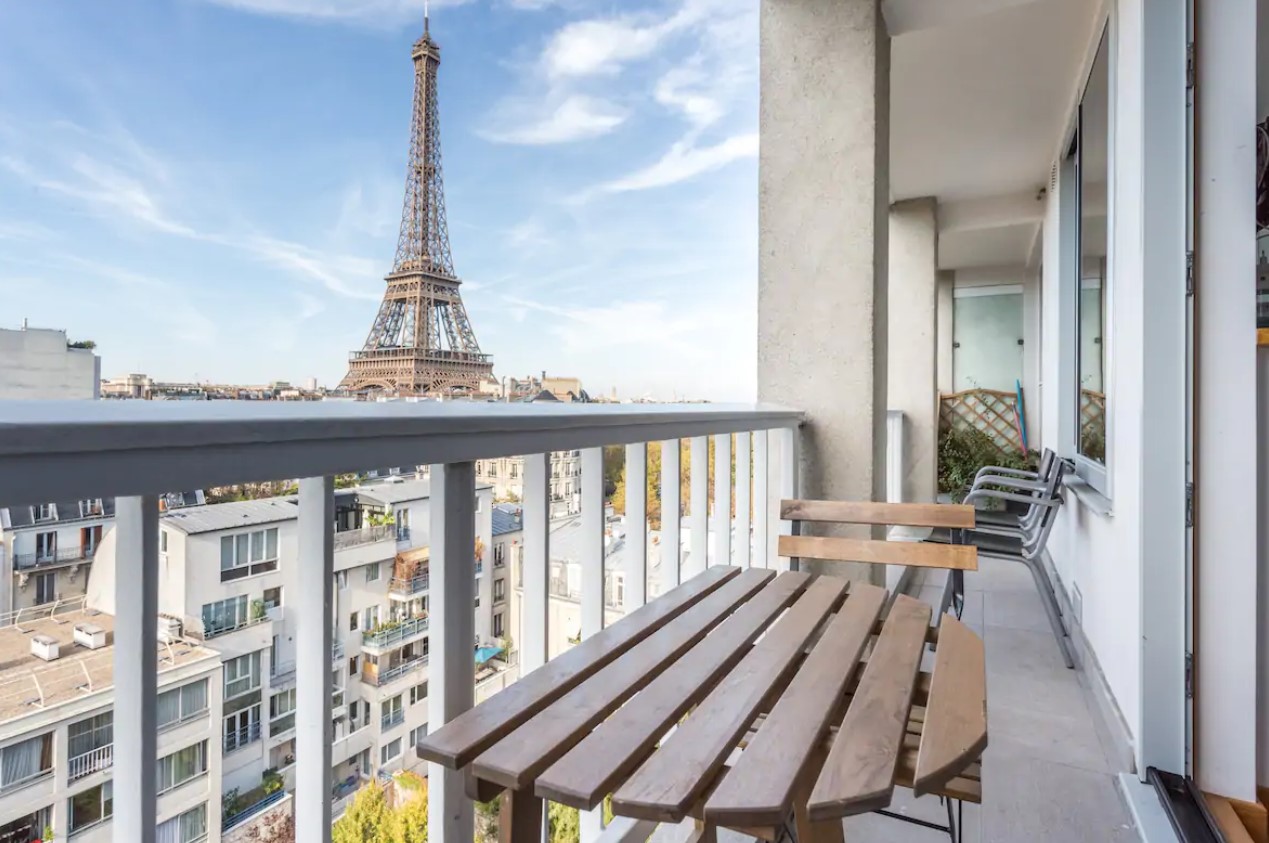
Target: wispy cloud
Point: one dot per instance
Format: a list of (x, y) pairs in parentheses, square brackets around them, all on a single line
[(378, 13), (342, 274), (181, 319), (685, 160), (15, 230), (576, 118)]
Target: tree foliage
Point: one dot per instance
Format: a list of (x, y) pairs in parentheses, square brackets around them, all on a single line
[(564, 823), (618, 496), (367, 820)]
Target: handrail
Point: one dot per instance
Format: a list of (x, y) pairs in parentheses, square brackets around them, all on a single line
[(90, 762), (231, 820), (417, 584), (364, 535), (64, 556), (143, 447), (394, 635)]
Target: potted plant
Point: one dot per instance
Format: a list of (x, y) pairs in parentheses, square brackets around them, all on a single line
[(271, 781), (257, 609)]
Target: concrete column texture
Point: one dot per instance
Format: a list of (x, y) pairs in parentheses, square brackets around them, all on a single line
[(912, 356), (823, 186), (946, 328)]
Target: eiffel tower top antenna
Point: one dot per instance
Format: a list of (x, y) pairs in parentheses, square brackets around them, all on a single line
[(426, 17)]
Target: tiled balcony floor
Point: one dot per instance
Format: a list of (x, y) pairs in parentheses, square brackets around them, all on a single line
[(1048, 775)]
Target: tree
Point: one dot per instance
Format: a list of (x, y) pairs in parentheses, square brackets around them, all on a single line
[(276, 828), (564, 823), (410, 820), (367, 820), (487, 820)]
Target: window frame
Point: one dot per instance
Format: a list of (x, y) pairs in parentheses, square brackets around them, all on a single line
[(1096, 476), (185, 716), (162, 786), (105, 807), (242, 549)]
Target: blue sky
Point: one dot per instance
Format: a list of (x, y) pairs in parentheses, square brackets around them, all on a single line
[(212, 189)]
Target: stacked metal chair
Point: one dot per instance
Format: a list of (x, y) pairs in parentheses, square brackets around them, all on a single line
[(1021, 533)]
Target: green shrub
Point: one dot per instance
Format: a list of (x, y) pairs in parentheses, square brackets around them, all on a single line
[(963, 451)]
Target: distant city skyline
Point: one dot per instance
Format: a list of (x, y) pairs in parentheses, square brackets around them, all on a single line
[(211, 190)]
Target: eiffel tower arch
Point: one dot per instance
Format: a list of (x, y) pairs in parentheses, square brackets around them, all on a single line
[(422, 342)]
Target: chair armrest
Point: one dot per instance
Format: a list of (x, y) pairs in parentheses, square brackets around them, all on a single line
[(992, 494), (1000, 469), (1010, 483)]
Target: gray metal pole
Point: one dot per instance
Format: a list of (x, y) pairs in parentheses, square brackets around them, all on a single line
[(313, 730)]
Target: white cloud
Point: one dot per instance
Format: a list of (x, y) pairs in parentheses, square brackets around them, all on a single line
[(576, 118), (365, 12), (685, 89), (685, 160), (588, 47), (342, 274), (15, 230)]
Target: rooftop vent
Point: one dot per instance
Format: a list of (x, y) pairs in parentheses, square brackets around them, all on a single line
[(90, 635), (45, 647)]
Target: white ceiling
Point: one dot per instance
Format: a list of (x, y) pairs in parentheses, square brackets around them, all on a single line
[(981, 92)]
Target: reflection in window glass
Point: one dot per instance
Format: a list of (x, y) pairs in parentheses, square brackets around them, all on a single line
[(1091, 163)]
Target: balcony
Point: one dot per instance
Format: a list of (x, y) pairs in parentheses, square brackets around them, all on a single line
[(394, 634), (407, 589), (249, 806), (90, 762), (53, 559), (364, 535), (388, 721)]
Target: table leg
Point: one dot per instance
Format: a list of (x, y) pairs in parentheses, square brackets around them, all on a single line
[(520, 818), (829, 831), (704, 833)]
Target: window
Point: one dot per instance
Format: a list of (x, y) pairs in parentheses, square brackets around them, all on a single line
[(273, 597), (391, 712), (418, 734), (402, 519), (372, 572), (43, 512), (352, 666), (418, 693), (1092, 320), (245, 554), (281, 704), (45, 588), (242, 728), (500, 554), (26, 761), (45, 546), (163, 542), (615, 590), (181, 766), (341, 580), (242, 674), (225, 615), (390, 751), (182, 704), (498, 631), (369, 618), (352, 713), (83, 742), (91, 807), (352, 622), (90, 508), (187, 828), (499, 590)]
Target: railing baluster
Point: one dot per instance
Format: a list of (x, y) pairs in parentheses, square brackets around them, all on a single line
[(537, 568), (593, 546), (136, 668), (592, 563), (722, 499), (790, 459), (636, 525), (698, 516), (671, 514), (313, 607), (452, 671), (762, 500), (743, 536)]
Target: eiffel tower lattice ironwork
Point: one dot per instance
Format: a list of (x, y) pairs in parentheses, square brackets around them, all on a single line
[(422, 342)]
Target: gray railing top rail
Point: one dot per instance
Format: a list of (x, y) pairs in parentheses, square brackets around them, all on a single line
[(86, 449)]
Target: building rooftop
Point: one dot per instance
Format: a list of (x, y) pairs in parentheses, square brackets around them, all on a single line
[(66, 513), (210, 518), (29, 684), (507, 518)]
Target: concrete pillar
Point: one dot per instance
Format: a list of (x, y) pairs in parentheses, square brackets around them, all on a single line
[(313, 602), (912, 360), (945, 332), (823, 204)]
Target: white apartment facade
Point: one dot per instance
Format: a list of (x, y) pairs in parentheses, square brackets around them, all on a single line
[(42, 364), (56, 718), (506, 476)]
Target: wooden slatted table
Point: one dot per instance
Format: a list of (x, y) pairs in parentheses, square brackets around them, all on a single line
[(744, 699)]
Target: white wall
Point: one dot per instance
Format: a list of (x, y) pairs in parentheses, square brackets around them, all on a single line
[(1097, 554), (36, 364)]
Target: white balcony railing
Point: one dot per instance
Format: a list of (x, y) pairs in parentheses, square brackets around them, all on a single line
[(90, 762), (134, 451)]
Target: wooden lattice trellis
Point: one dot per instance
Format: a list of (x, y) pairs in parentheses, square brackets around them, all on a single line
[(990, 411), (1093, 424)]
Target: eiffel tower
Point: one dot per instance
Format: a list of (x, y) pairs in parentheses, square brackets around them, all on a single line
[(421, 342)]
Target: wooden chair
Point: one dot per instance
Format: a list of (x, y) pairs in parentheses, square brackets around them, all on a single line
[(960, 659)]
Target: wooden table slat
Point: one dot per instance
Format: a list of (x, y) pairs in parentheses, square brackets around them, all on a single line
[(859, 773), (962, 557), (520, 756), (947, 515), (758, 789), (589, 771), (955, 724), (674, 777), (456, 743)]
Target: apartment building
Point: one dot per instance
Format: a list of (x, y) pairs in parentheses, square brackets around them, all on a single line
[(56, 716), (43, 364), (506, 476)]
